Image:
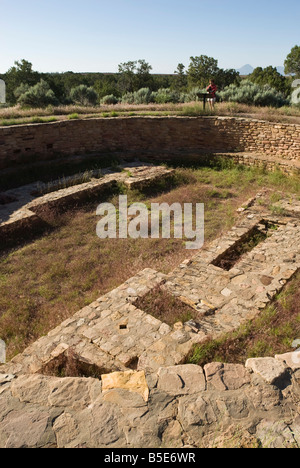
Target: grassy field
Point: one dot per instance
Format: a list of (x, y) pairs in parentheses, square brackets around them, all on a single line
[(50, 278), (17, 116)]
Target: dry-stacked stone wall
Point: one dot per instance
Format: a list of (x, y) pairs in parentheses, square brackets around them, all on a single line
[(154, 137)]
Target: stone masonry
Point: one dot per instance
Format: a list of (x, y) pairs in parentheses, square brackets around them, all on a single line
[(146, 396), (156, 138), (23, 209)]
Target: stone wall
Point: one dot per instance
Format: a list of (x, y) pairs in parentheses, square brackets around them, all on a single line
[(154, 137), (185, 406)]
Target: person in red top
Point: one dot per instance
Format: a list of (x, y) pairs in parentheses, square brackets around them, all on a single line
[(212, 89)]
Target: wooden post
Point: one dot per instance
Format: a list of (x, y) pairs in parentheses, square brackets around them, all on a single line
[(203, 97)]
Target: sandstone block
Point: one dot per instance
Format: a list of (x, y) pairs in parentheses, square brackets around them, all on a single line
[(270, 369), (292, 360), (128, 380), (226, 376), (181, 380)]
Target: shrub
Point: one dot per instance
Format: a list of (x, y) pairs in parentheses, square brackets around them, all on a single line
[(109, 99), (142, 96), (22, 89), (166, 95), (39, 95), (192, 95), (128, 98), (251, 93), (270, 97), (83, 95)]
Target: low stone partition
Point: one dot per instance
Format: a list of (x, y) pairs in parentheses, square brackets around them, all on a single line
[(156, 138), (25, 212)]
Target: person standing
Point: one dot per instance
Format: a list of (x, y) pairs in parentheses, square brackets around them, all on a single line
[(212, 89)]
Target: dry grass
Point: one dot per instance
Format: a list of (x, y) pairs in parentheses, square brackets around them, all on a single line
[(165, 307), (17, 115)]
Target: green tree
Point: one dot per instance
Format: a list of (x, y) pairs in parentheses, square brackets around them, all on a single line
[(201, 70), (127, 76), (143, 76), (180, 83), (270, 76), (225, 78), (20, 73), (106, 86), (134, 75), (292, 62)]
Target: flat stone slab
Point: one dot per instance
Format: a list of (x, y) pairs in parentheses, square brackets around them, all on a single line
[(129, 380), (181, 380), (292, 360), (270, 369), (226, 376)]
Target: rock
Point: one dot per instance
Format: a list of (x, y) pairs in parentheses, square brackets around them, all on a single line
[(100, 426), (75, 393), (164, 329), (172, 436), (296, 385), (266, 280), (226, 292), (196, 411), (128, 380), (295, 428), (27, 429), (270, 369), (131, 292), (6, 378), (66, 430), (276, 270), (226, 376), (233, 405), (292, 360), (125, 398), (275, 434), (234, 437), (181, 380), (32, 389), (263, 397), (181, 336)]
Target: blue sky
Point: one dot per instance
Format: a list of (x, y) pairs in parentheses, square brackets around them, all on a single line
[(97, 35)]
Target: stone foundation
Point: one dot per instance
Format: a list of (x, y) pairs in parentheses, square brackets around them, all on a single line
[(25, 214), (145, 396)]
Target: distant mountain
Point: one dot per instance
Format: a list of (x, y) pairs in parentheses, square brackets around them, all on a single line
[(280, 70), (246, 70)]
